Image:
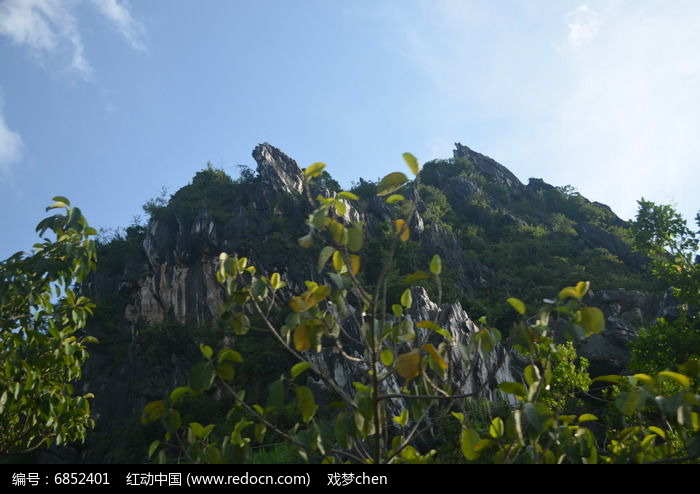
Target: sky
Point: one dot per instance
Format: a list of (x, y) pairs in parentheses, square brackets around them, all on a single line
[(108, 102)]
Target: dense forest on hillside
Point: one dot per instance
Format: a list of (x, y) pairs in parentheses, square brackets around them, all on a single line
[(495, 301)]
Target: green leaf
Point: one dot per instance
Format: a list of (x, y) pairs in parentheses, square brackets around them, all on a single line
[(348, 195), (497, 428), (307, 405), (260, 430), (628, 403), (387, 357), (468, 441), (517, 304), (152, 412), (436, 265), (675, 376), (587, 417), (276, 394), (403, 418), (299, 368), (417, 276), (390, 183), (412, 163), (323, 257), (340, 208), (397, 310), (656, 430), (229, 354), (531, 374), (512, 388), (314, 170), (152, 448), (611, 379), (355, 237), (276, 281), (538, 416), (201, 376), (225, 371), (176, 393), (407, 298), (395, 198), (206, 350), (338, 232), (62, 199)]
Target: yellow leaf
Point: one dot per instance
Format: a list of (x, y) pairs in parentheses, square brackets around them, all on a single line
[(412, 163), (300, 303), (305, 241), (302, 337), (314, 170), (408, 364), (436, 356), (355, 264), (402, 230), (338, 263)]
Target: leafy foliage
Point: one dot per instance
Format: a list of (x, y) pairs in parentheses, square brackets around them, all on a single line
[(663, 235), (42, 349)]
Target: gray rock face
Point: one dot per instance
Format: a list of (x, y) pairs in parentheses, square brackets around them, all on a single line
[(470, 273), (278, 172), (625, 312), (479, 375), (597, 237)]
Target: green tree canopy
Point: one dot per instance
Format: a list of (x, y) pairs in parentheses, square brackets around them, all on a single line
[(41, 347)]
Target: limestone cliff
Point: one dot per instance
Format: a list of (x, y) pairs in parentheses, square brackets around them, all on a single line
[(170, 283)]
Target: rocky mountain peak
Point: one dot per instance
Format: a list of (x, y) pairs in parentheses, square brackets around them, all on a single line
[(490, 168), (277, 170)]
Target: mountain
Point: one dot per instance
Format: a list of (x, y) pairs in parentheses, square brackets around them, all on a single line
[(158, 297)]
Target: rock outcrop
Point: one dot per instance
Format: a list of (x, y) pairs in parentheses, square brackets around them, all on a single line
[(490, 168), (625, 313)]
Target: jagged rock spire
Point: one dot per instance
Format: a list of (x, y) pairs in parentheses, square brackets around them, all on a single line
[(490, 168), (277, 170)]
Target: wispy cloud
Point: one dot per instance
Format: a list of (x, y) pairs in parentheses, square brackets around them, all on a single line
[(119, 15), (10, 145), (46, 27), (583, 24), (50, 28)]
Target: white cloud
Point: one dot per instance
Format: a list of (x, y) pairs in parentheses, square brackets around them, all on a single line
[(45, 26), (630, 123), (50, 28), (10, 146), (118, 14), (583, 24)]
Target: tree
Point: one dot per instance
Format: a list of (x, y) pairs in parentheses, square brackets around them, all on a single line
[(42, 349), (662, 234)]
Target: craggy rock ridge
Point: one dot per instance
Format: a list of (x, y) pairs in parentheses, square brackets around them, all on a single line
[(171, 281)]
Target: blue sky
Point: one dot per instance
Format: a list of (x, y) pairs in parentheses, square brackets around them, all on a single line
[(108, 101)]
